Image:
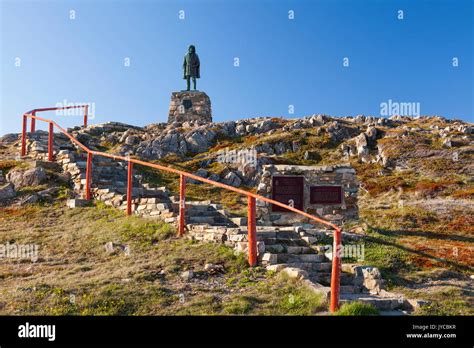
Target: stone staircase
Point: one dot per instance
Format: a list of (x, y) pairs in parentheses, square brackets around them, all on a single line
[(295, 250), (109, 184)]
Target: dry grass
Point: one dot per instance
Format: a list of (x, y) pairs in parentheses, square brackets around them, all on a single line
[(74, 274)]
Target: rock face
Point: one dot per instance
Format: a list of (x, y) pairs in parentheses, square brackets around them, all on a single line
[(6, 192), (30, 177), (190, 106)]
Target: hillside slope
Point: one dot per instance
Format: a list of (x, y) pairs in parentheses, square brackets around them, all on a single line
[(416, 198)]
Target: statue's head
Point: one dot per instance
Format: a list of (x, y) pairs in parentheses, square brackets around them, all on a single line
[(192, 49)]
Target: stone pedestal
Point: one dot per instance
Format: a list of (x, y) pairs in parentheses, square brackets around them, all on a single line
[(189, 106)]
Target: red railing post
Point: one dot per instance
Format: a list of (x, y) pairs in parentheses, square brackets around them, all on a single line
[(182, 204), (33, 122), (23, 136), (336, 270), (86, 111), (50, 141), (88, 175), (252, 231), (129, 187)]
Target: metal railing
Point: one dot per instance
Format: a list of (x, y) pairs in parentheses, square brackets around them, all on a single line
[(251, 197)]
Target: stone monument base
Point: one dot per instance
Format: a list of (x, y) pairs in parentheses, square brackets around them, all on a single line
[(188, 106)]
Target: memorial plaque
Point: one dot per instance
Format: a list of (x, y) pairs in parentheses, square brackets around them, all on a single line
[(187, 103), (288, 190), (325, 195)]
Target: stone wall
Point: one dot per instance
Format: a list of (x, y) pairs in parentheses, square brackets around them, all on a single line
[(190, 106), (339, 175)]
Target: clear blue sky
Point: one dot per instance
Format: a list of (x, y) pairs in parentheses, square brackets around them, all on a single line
[(282, 62)]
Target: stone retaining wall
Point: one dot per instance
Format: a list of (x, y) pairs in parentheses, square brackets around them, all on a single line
[(339, 175)]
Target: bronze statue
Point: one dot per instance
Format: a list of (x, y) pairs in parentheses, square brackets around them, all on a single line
[(191, 66)]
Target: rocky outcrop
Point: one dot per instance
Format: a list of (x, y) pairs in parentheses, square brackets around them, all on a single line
[(20, 177), (7, 191)]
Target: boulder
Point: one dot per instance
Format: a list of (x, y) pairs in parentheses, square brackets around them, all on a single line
[(295, 273), (197, 142), (361, 144), (295, 146), (30, 177), (269, 258), (202, 173), (312, 156), (266, 125), (371, 134), (213, 269), (447, 143), (214, 177), (240, 129), (30, 199), (132, 140), (187, 275), (110, 248), (74, 203), (275, 268), (6, 192), (232, 179)]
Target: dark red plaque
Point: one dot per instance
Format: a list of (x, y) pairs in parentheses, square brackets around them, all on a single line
[(288, 190), (325, 195)]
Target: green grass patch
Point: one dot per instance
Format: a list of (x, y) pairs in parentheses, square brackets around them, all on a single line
[(356, 308)]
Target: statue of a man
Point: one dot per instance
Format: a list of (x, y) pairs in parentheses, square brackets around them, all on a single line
[(191, 66)]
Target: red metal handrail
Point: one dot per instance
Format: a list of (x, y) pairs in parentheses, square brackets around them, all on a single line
[(252, 197)]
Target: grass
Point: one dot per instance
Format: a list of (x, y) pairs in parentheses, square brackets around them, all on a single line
[(6, 165), (356, 308), (447, 302), (464, 193), (75, 276)]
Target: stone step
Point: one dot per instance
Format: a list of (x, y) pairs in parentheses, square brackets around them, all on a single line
[(239, 221), (157, 194), (275, 234), (296, 258), (299, 250), (283, 241), (195, 207), (274, 248), (276, 229), (208, 213), (108, 183), (349, 289), (324, 278), (81, 164), (203, 220), (106, 164), (381, 303), (310, 266)]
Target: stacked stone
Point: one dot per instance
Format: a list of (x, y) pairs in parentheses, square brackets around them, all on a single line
[(338, 175), (67, 159), (190, 106), (151, 207)]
